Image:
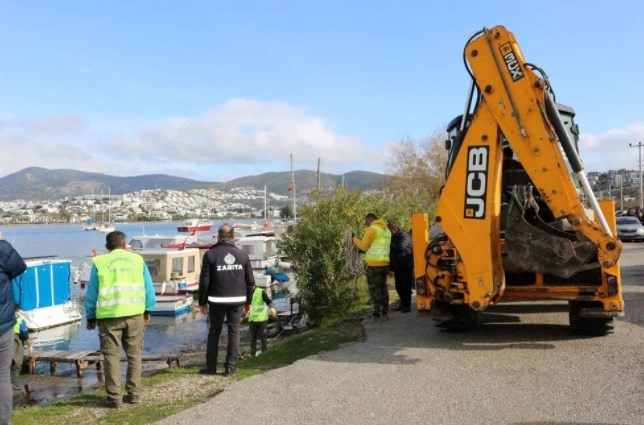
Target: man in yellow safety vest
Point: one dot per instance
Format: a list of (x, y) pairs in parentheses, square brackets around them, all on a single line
[(376, 244), (120, 296)]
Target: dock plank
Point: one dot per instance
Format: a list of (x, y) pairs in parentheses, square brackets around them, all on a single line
[(84, 358)]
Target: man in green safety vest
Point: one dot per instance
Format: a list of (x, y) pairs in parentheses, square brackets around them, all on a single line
[(258, 319), (120, 296), (376, 244)]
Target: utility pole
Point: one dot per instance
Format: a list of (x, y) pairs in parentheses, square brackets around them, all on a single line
[(293, 188), (621, 190), (318, 174), (639, 147)]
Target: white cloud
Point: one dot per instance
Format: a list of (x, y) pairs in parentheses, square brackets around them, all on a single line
[(241, 132), (248, 131), (610, 150)]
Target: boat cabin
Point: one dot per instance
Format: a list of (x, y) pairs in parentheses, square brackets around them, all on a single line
[(43, 293), (173, 270), (261, 249)]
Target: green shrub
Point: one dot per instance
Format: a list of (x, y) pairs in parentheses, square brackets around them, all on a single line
[(316, 246)]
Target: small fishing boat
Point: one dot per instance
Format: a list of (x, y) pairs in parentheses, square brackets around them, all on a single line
[(43, 293), (172, 305), (105, 227), (89, 225), (138, 243), (173, 271), (261, 248), (194, 225)]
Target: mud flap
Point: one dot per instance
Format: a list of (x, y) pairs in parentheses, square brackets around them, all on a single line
[(535, 246)]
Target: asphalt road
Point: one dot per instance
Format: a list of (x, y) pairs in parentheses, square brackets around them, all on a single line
[(523, 367)]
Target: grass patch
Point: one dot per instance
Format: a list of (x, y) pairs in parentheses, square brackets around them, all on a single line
[(186, 385)]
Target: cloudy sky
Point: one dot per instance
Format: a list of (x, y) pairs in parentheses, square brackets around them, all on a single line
[(216, 90)]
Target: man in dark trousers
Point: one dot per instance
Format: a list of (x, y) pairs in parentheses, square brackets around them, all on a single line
[(260, 308), (226, 284), (401, 263), (375, 243), (11, 266)]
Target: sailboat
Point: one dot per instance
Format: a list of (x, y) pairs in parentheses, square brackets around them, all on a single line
[(107, 226)]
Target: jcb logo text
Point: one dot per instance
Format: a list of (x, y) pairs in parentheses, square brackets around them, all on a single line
[(476, 182)]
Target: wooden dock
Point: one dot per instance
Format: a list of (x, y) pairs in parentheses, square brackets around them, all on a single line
[(83, 359)]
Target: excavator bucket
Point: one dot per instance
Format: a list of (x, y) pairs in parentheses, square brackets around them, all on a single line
[(535, 246)]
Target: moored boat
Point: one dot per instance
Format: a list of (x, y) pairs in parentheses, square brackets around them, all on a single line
[(172, 305), (43, 293), (89, 225), (261, 248), (138, 243), (173, 271), (194, 225), (105, 227)]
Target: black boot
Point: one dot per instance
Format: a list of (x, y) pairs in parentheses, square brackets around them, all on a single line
[(230, 370), (208, 371)]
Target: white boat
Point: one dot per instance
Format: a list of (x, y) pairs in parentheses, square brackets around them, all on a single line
[(172, 305), (89, 225), (176, 269), (261, 248), (106, 228), (43, 293), (160, 241)]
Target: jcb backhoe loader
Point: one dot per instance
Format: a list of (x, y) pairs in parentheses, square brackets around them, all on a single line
[(511, 219)]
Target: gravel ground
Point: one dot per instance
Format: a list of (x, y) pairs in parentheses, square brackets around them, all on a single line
[(523, 367)]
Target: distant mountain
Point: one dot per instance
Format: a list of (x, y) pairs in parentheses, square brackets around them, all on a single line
[(279, 182), (41, 183)]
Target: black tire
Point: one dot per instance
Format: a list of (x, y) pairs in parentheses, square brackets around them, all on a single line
[(589, 326), (456, 318)]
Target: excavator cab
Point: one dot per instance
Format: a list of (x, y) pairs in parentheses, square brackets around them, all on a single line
[(512, 217)]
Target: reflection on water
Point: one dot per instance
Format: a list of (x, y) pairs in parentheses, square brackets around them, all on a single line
[(164, 334)]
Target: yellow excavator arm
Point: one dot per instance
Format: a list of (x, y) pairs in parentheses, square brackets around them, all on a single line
[(490, 224)]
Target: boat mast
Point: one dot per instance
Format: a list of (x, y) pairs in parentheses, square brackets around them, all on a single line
[(109, 204)]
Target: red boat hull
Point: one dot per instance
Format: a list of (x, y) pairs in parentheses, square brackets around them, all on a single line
[(192, 229)]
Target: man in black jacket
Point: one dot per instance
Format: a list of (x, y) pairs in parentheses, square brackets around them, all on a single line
[(401, 263), (226, 284), (11, 266)]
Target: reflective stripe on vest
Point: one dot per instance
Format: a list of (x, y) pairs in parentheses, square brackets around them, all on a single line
[(121, 287), (16, 327), (227, 300), (379, 249), (258, 308)]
